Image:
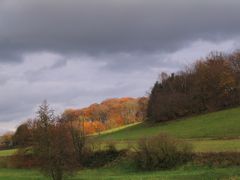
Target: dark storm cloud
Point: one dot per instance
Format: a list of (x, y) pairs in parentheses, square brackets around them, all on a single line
[(111, 26)]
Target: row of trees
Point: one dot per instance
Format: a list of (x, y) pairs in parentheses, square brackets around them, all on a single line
[(210, 84), (109, 114)]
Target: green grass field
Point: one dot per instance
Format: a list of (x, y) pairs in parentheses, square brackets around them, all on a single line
[(216, 145), (183, 173), (20, 174), (223, 124), (125, 172)]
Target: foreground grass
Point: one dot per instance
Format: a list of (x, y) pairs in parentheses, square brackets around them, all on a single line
[(182, 173), (128, 173), (20, 174), (222, 124)]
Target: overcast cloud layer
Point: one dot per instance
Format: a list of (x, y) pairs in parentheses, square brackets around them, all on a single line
[(74, 53)]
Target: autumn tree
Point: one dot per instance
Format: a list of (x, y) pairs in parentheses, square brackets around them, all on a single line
[(129, 112), (74, 121), (7, 140), (142, 104), (53, 146), (23, 135)]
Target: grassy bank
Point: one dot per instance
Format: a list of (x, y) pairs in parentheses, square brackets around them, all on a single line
[(222, 124)]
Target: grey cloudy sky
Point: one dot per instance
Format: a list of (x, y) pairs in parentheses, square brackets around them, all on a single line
[(74, 53)]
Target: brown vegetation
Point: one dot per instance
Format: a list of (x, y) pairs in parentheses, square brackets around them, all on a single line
[(162, 152), (6, 140), (210, 84), (217, 159)]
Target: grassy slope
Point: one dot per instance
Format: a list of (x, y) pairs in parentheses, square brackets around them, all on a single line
[(222, 124)]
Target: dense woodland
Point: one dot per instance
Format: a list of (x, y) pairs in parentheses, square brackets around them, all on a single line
[(109, 114), (208, 85)]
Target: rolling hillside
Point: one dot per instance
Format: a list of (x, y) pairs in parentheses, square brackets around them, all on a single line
[(217, 125)]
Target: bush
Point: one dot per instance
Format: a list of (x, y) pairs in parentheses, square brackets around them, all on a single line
[(162, 152), (4, 162), (23, 161), (23, 158), (101, 157)]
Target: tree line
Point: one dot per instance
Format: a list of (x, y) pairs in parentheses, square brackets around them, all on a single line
[(210, 84), (110, 113)]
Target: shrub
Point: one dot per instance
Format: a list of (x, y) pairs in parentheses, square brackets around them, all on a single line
[(4, 162), (161, 152), (23, 161), (101, 157)]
